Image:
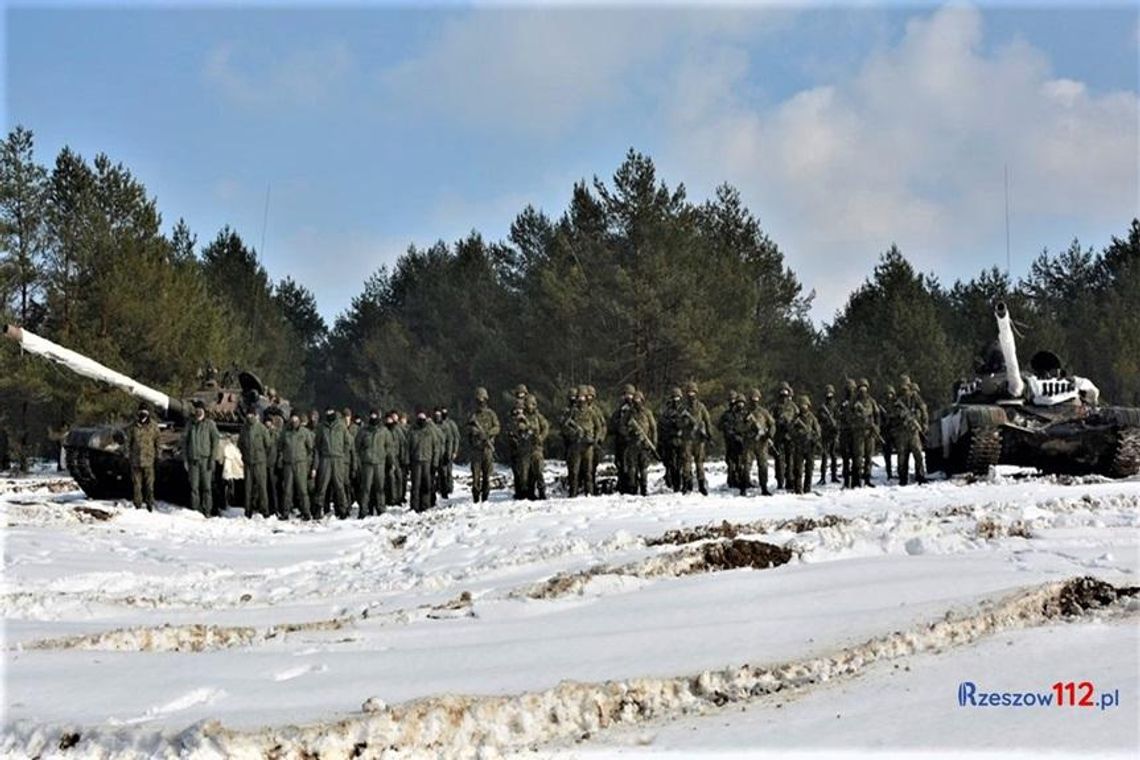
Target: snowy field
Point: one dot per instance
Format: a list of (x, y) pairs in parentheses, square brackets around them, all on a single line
[(616, 625)]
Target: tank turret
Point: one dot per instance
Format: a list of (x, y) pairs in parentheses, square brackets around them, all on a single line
[(95, 455)]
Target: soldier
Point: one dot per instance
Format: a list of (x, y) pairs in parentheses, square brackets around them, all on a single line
[(142, 446), (700, 434), (737, 427), (482, 427), (423, 441), (804, 438), (730, 429), (372, 444), (538, 454), (295, 451), (519, 394), (254, 444), (888, 421), (640, 433), (671, 440), (913, 421), (846, 443), (829, 432), (520, 442), (199, 452), (394, 465), (872, 434), (437, 460), (352, 426), (626, 483), (599, 436), (333, 447), (861, 419), (761, 426), (273, 424), (450, 430), (578, 434), (784, 412)]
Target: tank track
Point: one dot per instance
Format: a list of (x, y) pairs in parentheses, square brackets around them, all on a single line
[(1126, 458), (82, 469), (985, 450)]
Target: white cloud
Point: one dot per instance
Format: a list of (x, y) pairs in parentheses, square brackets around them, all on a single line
[(542, 70), (301, 77), (909, 149)]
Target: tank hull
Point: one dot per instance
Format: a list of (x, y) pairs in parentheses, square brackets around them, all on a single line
[(1067, 439)]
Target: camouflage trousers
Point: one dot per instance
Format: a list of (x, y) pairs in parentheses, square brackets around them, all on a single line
[(331, 474), (860, 461), (734, 459), (482, 465), (636, 467), (693, 467), (201, 474), (782, 460), (421, 485), (829, 455), (443, 478), (802, 464), (370, 489), (579, 468), (908, 447), (537, 486), (758, 453), (295, 488), (142, 484), (256, 489)]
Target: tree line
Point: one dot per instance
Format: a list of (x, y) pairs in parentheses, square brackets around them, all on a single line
[(634, 282)]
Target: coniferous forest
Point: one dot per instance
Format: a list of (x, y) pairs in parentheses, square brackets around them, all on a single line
[(633, 282)]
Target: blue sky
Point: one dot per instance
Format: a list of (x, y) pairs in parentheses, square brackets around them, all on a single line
[(372, 127)]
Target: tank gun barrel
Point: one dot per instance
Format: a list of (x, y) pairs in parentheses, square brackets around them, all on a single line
[(1014, 383), (87, 367)]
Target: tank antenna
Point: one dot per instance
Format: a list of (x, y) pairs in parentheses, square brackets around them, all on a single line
[(265, 222), (1007, 220)]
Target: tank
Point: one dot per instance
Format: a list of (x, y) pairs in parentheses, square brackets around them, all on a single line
[(96, 457), (1040, 416)]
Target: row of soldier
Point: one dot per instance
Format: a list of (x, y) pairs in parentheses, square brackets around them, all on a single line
[(315, 466)]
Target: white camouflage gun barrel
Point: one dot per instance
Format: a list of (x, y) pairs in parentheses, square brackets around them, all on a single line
[(87, 367), (1014, 382)]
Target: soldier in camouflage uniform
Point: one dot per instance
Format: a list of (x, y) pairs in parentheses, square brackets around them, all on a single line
[(444, 478), (731, 427), (333, 447), (599, 434), (862, 421), (423, 444), (295, 452), (873, 435), (274, 423), (626, 480), (640, 431), (520, 443), (255, 446), (914, 419), (541, 428), (578, 433), (671, 442), (394, 472), (829, 431), (804, 437), (761, 426), (199, 451), (142, 448), (482, 427), (738, 425), (846, 438), (700, 434), (372, 443), (784, 413)]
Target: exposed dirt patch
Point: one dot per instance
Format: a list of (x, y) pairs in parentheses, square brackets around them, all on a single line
[(732, 530), (1082, 595), (93, 514), (725, 554), (989, 529)]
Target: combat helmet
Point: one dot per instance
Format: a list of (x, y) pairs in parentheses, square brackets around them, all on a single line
[(828, 391), (481, 394), (521, 390), (785, 388), (628, 390), (691, 387)]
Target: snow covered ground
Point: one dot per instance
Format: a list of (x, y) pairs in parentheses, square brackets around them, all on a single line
[(581, 627)]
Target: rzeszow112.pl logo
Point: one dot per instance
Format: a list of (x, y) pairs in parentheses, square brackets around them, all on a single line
[(1060, 694)]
